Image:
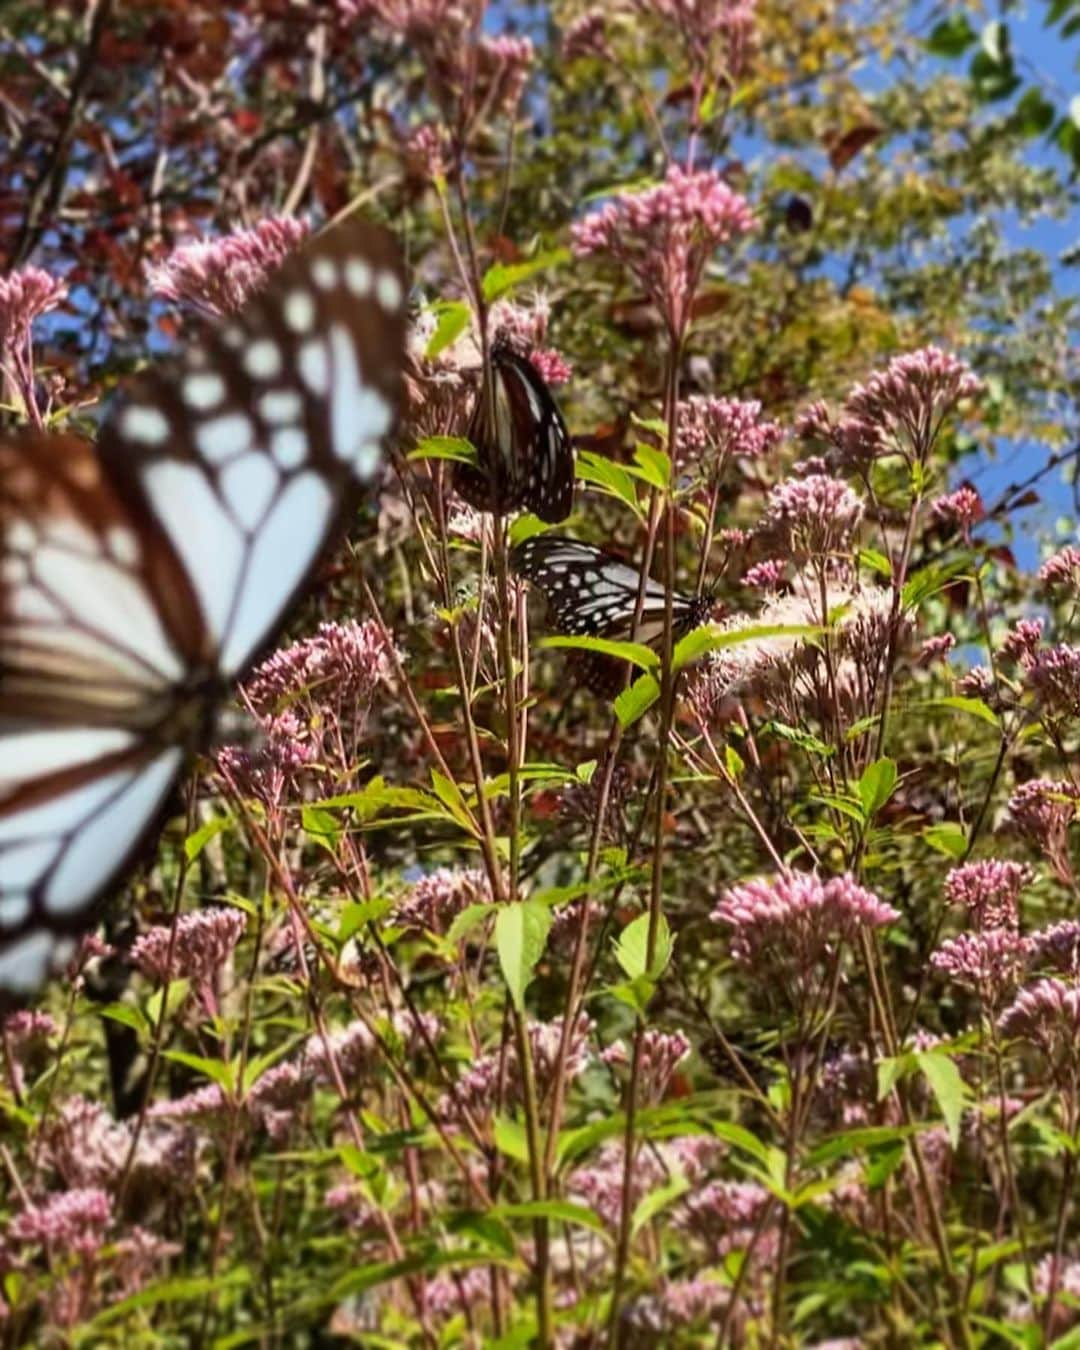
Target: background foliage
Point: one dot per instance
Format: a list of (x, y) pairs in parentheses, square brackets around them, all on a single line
[(473, 1042)]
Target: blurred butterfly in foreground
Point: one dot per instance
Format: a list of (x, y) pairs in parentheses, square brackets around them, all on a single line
[(592, 593), (525, 458), (141, 576)]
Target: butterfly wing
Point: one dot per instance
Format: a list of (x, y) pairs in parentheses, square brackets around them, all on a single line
[(250, 451), (138, 579), (592, 593), (95, 632), (525, 457)]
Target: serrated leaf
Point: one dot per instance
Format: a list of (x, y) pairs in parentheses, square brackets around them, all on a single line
[(521, 932), (636, 700), (947, 1086)]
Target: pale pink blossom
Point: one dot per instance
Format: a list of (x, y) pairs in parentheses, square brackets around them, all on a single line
[(661, 1054), (71, 1223), (989, 963), (989, 890), (1053, 674), (766, 576), (203, 943), (713, 431), (1058, 947), (1062, 571), (1041, 812), (434, 901), (934, 648), (1022, 641), (664, 235), (218, 276), (812, 517), (25, 295), (586, 36)]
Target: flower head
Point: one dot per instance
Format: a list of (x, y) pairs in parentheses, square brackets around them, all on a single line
[(436, 900), (661, 1054), (1047, 1013), (1062, 571), (934, 648), (1041, 812), (989, 963), (1053, 674), (71, 1223), (203, 942), (960, 509), (665, 234), (712, 431), (814, 516), (25, 295), (1058, 947), (989, 891), (218, 275), (796, 917), (342, 662), (1021, 643)]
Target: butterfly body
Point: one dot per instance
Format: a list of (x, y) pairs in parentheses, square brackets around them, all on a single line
[(525, 458), (141, 576), (592, 593)]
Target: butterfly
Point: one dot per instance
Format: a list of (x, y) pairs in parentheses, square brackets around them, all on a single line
[(142, 576), (525, 458), (592, 593)]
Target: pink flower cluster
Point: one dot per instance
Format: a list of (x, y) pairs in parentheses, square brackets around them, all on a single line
[(72, 1223), (712, 431), (436, 900), (936, 647), (526, 326), (1054, 676), (811, 517), (1062, 570), (765, 576), (202, 944), (25, 295), (664, 235), (988, 962), (724, 1214), (960, 509), (1057, 946), (587, 36), (1047, 1013), (1021, 643), (716, 33), (341, 661), (661, 1054), (1041, 812), (897, 411), (217, 276), (797, 914), (989, 890)]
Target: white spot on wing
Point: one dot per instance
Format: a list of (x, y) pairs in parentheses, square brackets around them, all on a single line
[(248, 485), (149, 426), (325, 274), (358, 277), (283, 550), (315, 366), (13, 909), (209, 544), (281, 406), (299, 311), (262, 360), (222, 437), (357, 413), (289, 447), (24, 864), (388, 291), (203, 391), (123, 545), (21, 536)]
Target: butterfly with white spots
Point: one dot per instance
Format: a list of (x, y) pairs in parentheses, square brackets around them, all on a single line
[(525, 457), (592, 593), (141, 576)]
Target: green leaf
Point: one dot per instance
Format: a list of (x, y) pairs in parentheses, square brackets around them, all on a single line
[(634, 652), (521, 932), (876, 561), (1034, 114), (449, 794), (948, 838), (445, 447), (198, 839), (215, 1069), (974, 707), (631, 947), (452, 318), (173, 1291), (524, 528), (733, 762), (562, 1211), (947, 1086), (612, 478), (651, 465), (636, 700), (952, 37), (466, 920), (932, 579), (650, 1205), (127, 1016), (322, 826), (503, 277), (511, 1139), (357, 915), (876, 786), (636, 994), (796, 736)]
